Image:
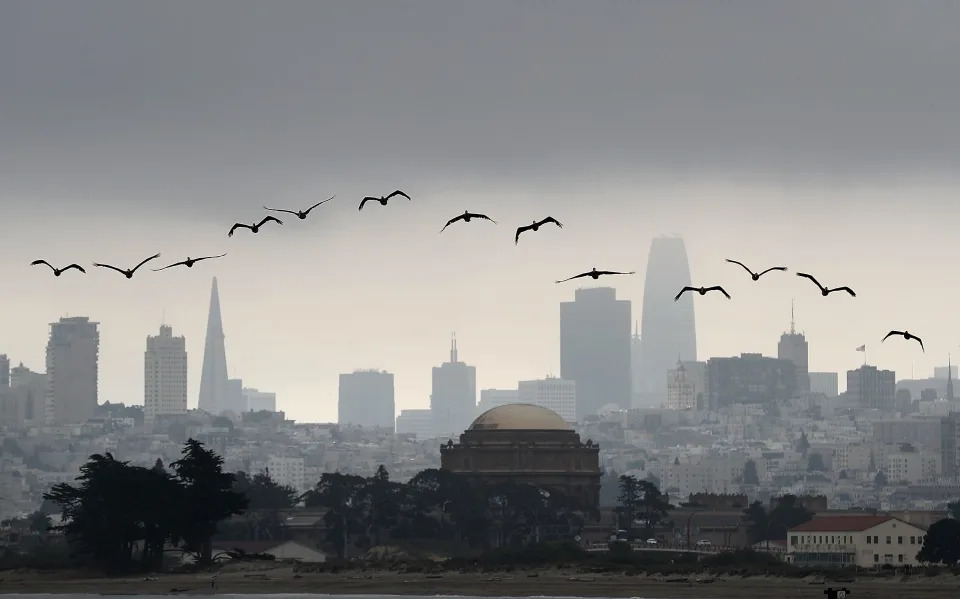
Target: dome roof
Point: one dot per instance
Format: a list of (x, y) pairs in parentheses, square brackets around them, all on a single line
[(520, 417)]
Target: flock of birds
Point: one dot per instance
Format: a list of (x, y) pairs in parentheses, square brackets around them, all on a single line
[(466, 217)]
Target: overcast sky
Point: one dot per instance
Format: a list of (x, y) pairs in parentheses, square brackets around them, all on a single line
[(820, 135)]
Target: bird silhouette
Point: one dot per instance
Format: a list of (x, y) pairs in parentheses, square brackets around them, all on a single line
[(702, 291), (127, 272), (189, 262), (756, 275), (58, 271), (301, 214), (823, 290), (907, 336), (382, 199), (466, 217), (256, 227), (535, 226), (596, 274)]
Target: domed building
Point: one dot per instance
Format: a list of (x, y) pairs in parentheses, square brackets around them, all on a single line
[(530, 444)]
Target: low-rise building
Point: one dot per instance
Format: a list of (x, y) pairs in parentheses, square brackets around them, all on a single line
[(864, 541)]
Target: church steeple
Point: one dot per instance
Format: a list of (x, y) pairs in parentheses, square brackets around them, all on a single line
[(453, 349), (949, 378), (793, 328)]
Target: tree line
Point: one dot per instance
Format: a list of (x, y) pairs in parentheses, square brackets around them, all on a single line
[(120, 517)]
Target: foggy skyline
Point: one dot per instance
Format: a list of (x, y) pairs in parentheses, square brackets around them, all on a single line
[(818, 135)]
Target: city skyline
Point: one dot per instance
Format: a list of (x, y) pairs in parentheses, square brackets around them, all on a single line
[(753, 141)]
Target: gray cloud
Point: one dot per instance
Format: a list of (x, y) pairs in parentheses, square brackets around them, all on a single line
[(188, 100)]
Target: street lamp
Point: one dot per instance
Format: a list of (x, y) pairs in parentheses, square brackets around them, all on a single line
[(689, 518)]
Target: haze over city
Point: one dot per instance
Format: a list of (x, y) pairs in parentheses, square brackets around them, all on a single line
[(817, 135)]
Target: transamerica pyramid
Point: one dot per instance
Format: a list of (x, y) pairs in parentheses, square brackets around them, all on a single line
[(213, 379)]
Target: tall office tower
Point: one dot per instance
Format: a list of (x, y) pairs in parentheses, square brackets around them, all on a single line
[(453, 401), (595, 349), (793, 346), (214, 396), (72, 358), (164, 375), (557, 395), (667, 327), (635, 368), (4, 371), (366, 399)]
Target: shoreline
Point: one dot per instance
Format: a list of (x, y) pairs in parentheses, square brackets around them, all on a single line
[(519, 583)]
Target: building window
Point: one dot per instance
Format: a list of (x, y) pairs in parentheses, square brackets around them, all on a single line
[(868, 539), (876, 557), (793, 539), (913, 540), (888, 540), (876, 540), (899, 540), (900, 558)]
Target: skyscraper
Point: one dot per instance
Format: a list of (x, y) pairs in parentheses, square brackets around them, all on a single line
[(4, 371), (73, 353), (667, 327), (635, 372), (453, 401), (366, 399), (793, 346), (595, 349), (214, 396), (164, 375)]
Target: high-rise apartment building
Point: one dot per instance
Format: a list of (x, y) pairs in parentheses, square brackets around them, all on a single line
[(557, 395), (4, 371), (164, 375), (667, 327), (682, 391), (236, 401), (214, 394), (869, 387), (595, 349), (366, 399), (793, 346), (22, 404), (453, 400), (749, 379), (73, 352)]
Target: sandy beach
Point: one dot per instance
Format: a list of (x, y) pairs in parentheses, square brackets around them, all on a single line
[(279, 579)]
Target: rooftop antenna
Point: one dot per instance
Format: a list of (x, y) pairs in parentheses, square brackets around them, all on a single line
[(793, 329)]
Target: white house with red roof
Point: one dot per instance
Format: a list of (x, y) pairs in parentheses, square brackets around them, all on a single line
[(861, 540)]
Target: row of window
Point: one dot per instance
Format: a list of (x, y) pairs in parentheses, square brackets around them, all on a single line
[(844, 539)]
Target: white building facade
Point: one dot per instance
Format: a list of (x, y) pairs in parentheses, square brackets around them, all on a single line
[(164, 375), (558, 395)]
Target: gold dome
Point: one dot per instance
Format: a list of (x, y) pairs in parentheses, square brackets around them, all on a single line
[(520, 417)]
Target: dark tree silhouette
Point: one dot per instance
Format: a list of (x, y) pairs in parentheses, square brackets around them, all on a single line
[(942, 543), (815, 463), (208, 497)]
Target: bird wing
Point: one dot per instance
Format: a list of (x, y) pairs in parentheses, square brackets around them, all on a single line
[(783, 268), (520, 230), (684, 290), (238, 226), (484, 216), (720, 289), (847, 289), (119, 270), (280, 210), (920, 341), (583, 274), (207, 257), (398, 193), (307, 211), (134, 269), (550, 219), (77, 266), (36, 262), (367, 199), (268, 219), (806, 276), (169, 266), (741, 264), (891, 333), (451, 221), (615, 272)]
